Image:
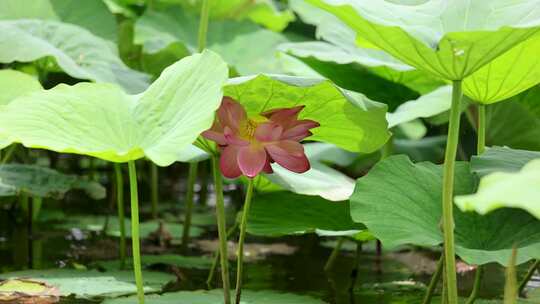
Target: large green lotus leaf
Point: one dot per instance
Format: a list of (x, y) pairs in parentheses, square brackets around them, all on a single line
[(501, 189), (348, 120), (449, 39), (14, 84), (263, 12), (93, 284), (508, 75), (43, 182), (90, 14), (102, 121), (339, 46), (216, 296), (244, 45), (111, 226), (77, 52), (515, 122), (400, 203), (430, 148), (282, 213), (425, 106), (501, 159)]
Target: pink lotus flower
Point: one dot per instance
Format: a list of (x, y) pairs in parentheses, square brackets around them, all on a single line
[(249, 145)]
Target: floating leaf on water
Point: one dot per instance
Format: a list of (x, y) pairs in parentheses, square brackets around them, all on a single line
[(27, 291)]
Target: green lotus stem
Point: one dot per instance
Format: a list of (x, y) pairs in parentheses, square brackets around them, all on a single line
[(120, 209), (192, 178), (135, 241), (241, 239), (434, 281), (154, 185), (444, 293), (220, 213), (476, 287), (203, 25), (210, 278), (481, 133), (511, 287), (9, 153), (333, 256), (528, 276), (448, 192)]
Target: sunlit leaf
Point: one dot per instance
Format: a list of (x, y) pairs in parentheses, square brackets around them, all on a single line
[(435, 36), (400, 203), (102, 121), (14, 84), (348, 120), (508, 75), (77, 52), (500, 189), (340, 47)]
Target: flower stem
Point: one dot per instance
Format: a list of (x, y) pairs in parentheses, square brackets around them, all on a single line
[(243, 226), (476, 286), (434, 281), (154, 189), (222, 232), (481, 133), (210, 278), (333, 256), (120, 208), (529, 275), (203, 25), (135, 242), (448, 192), (192, 178), (510, 286)]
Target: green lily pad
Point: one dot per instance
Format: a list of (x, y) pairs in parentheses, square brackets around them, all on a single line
[(76, 51), (216, 296), (100, 120), (93, 284), (244, 45), (515, 122), (283, 213), (501, 159), (112, 225), (400, 203), (44, 182), (509, 74), (91, 15), (500, 189), (196, 262), (433, 37), (348, 120), (428, 105), (23, 291)]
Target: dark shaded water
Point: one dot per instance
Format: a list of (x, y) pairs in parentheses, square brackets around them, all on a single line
[(397, 277)]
